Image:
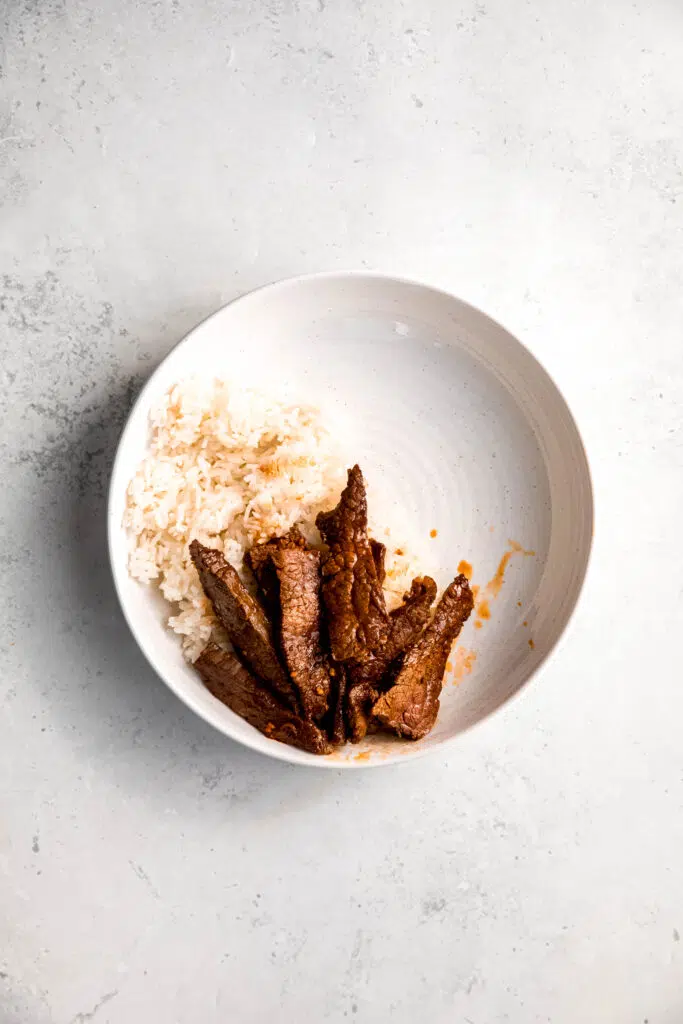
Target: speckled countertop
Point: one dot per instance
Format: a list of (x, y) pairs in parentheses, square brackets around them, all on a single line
[(159, 157)]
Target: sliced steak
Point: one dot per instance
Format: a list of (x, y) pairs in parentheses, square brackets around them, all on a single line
[(411, 705), (338, 718), (379, 557), (405, 625), (298, 575), (260, 561), (367, 678), (356, 613), (230, 682), (360, 699), (243, 618)]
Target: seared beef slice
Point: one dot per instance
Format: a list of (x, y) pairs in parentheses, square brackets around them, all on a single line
[(230, 682), (243, 619), (411, 705), (338, 718), (298, 573), (259, 559), (405, 625), (358, 705), (356, 614)]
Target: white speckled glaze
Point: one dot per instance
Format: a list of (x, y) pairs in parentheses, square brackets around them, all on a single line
[(453, 421)]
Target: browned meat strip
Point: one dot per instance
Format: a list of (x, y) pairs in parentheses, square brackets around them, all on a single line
[(259, 560), (298, 573), (356, 613), (405, 625), (230, 682), (338, 720), (411, 705), (360, 698), (408, 621), (379, 557), (243, 619)]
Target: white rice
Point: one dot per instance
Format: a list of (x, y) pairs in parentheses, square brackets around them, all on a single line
[(230, 467)]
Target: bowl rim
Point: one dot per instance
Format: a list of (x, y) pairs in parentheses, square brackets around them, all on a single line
[(280, 751)]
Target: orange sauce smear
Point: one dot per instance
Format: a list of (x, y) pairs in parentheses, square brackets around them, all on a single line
[(494, 586), (464, 663), (482, 607), (433, 533)]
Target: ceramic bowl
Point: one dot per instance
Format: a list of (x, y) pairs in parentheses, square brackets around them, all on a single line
[(452, 419)]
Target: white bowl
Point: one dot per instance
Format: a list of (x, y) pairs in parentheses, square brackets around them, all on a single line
[(451, 418)]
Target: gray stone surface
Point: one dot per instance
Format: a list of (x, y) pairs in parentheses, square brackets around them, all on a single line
[(159, 157)]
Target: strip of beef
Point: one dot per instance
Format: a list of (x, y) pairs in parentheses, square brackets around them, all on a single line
[(230, 682), (411, 705), (243, 618), (405, 625), (260, 561), (366, 679), (298, 574), (356, 613), (338, 718), (360, 700), (379, 557)]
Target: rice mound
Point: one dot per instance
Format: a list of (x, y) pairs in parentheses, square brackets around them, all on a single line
[(229, 467)]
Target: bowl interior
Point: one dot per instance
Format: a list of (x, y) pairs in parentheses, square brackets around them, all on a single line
[(453, 421)]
